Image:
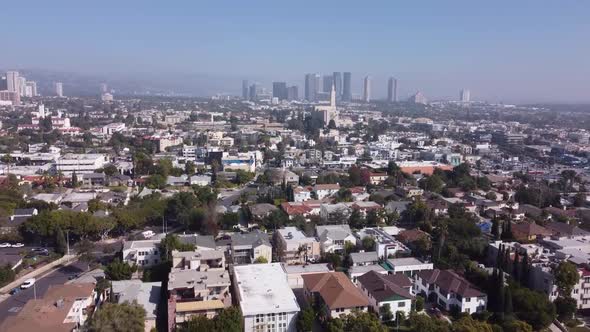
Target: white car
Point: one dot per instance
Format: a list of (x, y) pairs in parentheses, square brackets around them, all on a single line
[(28, 283), (5, 245), (18, 245)]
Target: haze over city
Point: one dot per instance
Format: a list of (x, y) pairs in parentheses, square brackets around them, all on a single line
[(520, 52)]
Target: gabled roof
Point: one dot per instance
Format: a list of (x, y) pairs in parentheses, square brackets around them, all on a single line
[(334, 232), (531, 229), (450, 282), (336, 290), (386, 287), (563, 229)]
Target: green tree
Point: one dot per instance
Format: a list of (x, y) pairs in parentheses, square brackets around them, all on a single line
[(468, 324), (385, 312), (565, 307), (172, 242), (432, 183), (7, 275), (60, 242), (532, 307), (118, 270), (392, 168), (419, 303), (74, 179), (424, 323), (156, 181), (357, 321), (260, 260), (356, 220), (124, 317), (368, 243), (189, 168), (305, 320), (227, 320), (566, 277), (229, 220), (514, 325), (110, 170)]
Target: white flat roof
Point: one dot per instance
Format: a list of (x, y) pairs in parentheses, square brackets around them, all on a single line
[(264, 289)]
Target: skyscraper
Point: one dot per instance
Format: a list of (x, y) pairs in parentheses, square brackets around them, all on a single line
[(328, 81), (317, 85), (12, 81), (367, 89), (279, 90), (253, 92), (3, 85), (245, 89), (392, 90), (59, 89), (346, 87), (31, 89), (337, 78), (465, 96), (293, 93), (103, 88), (311, 88)]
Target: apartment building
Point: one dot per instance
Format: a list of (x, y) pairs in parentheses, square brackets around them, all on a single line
[(265, 298), (298, 248)]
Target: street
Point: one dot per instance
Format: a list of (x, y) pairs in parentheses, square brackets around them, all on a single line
[(12, 305)]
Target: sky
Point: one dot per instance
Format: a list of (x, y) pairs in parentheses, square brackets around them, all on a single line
[(511, 51)]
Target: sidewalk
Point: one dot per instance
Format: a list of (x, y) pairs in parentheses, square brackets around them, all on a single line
[(48, 267)]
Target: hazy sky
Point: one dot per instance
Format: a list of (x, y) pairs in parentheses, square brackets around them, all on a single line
[(501, 50)]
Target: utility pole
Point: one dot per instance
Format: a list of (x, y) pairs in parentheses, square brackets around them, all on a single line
[(68, 241), (35, 290)]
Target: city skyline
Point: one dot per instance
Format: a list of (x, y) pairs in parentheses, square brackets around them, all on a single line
[(513, 52)]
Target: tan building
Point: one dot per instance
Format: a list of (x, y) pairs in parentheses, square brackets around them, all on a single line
[(297, 247), (336, 291), (199, 260), (62, 308)]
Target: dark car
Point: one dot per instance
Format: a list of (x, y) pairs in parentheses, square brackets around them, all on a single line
[(14, 290)]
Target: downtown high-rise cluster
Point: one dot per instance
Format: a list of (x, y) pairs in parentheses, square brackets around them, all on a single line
[(318, 88)]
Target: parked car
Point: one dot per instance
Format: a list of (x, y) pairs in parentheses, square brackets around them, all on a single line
[(18, 245), (14, 290), (73, 276), (28, 283), (5, 245)]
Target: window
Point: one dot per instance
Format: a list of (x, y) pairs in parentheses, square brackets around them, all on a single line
[(271, 317), (401, 304), (259, 318), (282, 316), (282, 327), (467, 299)]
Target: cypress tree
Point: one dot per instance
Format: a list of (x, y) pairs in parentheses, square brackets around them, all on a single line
[(524, 278), (492, 289), (516, 267), (500, 256), (500, 300), (508, 309), (509, 231), (507, 262)]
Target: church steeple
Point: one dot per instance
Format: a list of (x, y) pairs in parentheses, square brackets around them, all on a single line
[(333, 97)]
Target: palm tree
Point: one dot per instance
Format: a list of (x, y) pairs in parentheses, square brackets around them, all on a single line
[(7, 159)]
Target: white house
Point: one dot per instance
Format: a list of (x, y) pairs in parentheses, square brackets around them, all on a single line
[(392, 289), (408, 265), (333, 237), (325, 190), (450, 290)]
